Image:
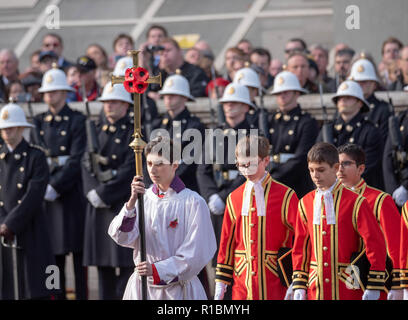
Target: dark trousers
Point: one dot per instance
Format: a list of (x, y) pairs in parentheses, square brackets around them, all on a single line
[(111, 286), (80, 273)]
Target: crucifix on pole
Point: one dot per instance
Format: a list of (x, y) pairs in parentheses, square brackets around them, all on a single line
[(136, 81)]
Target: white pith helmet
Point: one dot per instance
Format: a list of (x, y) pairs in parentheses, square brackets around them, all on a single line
[(122, 65), (247, 77), (178, 85), (12, 115), (115, 92), (352, 89), (363, 70), (286, 81), (236, 92), (55, 80)]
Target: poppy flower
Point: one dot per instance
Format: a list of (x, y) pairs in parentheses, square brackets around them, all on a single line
[(173, 223)]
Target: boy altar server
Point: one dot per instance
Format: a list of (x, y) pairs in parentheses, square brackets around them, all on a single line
[(180, 239)]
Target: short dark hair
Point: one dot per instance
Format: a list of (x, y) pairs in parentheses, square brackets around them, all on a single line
[(302, 42), (122, 36), (346, 52), (158, 144), (50, 34), (157, 26), (298, 53), (172, 41), (354, 151), (261, 52), (323, 152)]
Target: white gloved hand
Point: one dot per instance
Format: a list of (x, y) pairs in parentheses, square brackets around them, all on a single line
[(50, 193), (371, 294), (400, 195), (95, 200), (300, 294), (216, 205), (289, 293), (220, 288), (395, 294), (405, 293)]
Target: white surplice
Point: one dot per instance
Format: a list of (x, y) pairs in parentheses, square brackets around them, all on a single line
[(179, 252)]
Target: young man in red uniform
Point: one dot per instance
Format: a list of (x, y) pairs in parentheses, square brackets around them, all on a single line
[(352, 165), (404, 249), (258, 221), (332, 223)]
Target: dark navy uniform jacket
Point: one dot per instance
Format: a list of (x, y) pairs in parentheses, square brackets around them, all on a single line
[(23, 181)]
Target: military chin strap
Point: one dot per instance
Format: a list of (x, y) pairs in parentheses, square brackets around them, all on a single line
[(14, 247)]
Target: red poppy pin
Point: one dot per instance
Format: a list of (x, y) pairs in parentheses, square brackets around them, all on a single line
[(173, 223)]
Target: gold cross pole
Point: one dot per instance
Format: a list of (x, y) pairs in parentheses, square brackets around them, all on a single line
[(138, 145)]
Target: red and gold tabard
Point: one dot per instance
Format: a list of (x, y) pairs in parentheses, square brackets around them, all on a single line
[(388, 218), (404, 246), (321, 253), (249, 244)]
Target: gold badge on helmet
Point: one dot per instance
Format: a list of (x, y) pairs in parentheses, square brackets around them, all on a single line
[(344, 87), (122, 65), (241, 76), (360, 68), (281, 81), (169, 83), (49, 79), (231, 90), (109, 89), (5, 115)]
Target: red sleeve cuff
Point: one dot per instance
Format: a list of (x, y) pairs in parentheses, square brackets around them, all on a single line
[(156, 278)]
